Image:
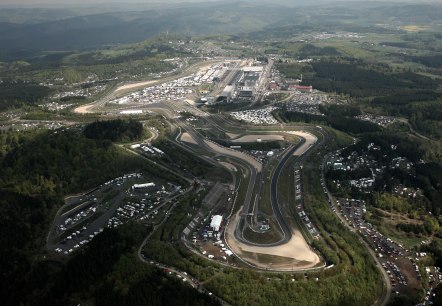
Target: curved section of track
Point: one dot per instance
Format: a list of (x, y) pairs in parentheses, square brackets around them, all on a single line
[(290, 253)]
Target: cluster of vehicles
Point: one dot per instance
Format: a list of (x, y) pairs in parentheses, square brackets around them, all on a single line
[(394, 273), (307, 103), (385, 246), (80, 216), (353, 211), (257, 116), (299, 209), (310, 227), (434, 278), (66, 250), (88, 215), (298, 191), (125, 213)]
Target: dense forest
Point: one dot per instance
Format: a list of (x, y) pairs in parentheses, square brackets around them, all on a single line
[(359, 79), (187, 162), (38, 169), (23, 224), (106, 272), (405, 94), (356, 80), (434, 61), (115, 130), (311, 50), (336, 117), (17, 94), (58, 162)]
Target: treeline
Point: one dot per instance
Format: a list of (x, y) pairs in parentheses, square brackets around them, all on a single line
[(60, 162), (403, 146), (433, 61), (355, 174), (345, 124), (190, 164), (429, 178), (16, 94), (23, 224), (107, 272), (406, 97), (311, 50), (94, 58), (115, 130), (423, 109), (358, 81), (37, 169), (65, 161), (72, 98), (405, 94)]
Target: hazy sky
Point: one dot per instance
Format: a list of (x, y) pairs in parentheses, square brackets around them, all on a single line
[(66, 3), (60, 3)]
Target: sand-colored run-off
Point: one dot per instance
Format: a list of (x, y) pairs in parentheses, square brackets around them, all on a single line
[(134, 85), (293, 255), (187, 138), (310, 140), (254, 138), (247, 158), (84, 109), (231, 135)]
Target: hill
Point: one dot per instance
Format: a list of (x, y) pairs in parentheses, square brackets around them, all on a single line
[(86, 30)]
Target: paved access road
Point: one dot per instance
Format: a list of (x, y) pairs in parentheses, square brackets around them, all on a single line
[(385, 276)]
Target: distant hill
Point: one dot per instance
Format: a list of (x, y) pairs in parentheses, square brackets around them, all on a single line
[(127, 27), (90, 31)]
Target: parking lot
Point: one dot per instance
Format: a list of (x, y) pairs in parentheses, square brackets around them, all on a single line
[(400, 264), (257, 116), (125, 198)]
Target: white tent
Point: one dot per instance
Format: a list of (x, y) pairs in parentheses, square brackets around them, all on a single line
[(216, 222)]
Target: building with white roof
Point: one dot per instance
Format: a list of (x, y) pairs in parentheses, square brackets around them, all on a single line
[(216, 222)]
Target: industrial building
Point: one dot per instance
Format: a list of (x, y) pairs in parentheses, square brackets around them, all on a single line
[(246, 92), (227, 93), (243, 85), (301, 88)]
